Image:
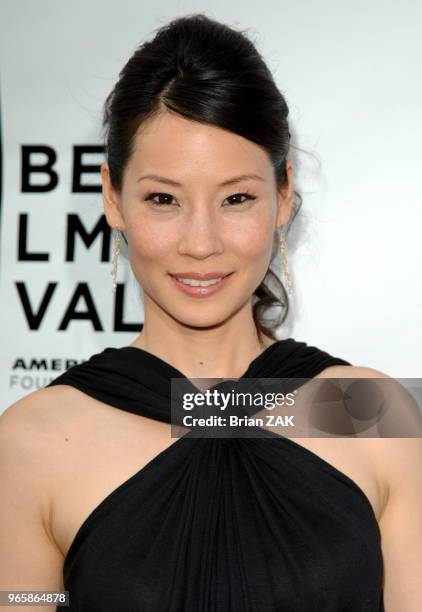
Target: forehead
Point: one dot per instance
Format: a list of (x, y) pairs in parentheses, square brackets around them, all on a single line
[(172, 144)]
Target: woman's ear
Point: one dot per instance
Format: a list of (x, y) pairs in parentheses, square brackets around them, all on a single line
[(285, 197), (111, 200)]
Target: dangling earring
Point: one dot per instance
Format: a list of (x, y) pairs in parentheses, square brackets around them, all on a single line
[(115, 258), (284, 266)]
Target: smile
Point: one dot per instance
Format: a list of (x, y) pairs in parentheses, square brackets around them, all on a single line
[(201, 288)]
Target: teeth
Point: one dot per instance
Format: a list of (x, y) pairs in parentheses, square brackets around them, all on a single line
[(199, 283)]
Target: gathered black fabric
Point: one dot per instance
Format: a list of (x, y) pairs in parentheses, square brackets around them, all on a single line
[(221, 525)]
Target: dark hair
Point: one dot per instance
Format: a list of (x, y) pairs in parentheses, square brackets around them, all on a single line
[(207, 72)]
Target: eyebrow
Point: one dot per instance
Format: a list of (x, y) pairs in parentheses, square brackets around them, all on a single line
[(231, 181)]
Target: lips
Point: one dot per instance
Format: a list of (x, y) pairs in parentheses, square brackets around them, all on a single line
[(197, 290), (197, 276)]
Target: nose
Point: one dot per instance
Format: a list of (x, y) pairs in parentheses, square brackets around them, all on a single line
[(201, 235)]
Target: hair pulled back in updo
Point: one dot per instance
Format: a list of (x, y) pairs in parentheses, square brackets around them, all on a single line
[(207, 72)]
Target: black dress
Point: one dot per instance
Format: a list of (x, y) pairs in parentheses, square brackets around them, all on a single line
[(219, 524)]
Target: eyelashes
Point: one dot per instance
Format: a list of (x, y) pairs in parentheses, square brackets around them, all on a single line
[(150, 198)]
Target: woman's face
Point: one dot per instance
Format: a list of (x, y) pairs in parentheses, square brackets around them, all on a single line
[(199, 224)]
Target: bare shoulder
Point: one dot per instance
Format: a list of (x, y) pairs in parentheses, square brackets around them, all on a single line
[(32, 431), (398, 461), (36, 409), (351, 371), (399, 454), (28, 428), (31, 418), (29, 557), (31, 425)]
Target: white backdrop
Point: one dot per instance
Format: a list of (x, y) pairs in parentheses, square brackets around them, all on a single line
[(351, 77)]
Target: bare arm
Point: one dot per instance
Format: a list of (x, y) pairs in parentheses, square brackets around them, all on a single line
[(29, 558), (399, 463), (401, 524)]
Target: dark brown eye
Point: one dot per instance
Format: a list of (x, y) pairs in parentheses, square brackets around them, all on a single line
[(153, 195), (165, 198), (248, 196)]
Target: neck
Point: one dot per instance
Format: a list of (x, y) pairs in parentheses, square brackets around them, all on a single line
[(214, 352)]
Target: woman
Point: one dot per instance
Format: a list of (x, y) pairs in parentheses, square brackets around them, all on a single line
[(104, 502)]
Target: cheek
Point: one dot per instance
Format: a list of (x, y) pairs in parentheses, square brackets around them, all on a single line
[(148, 241), (254, 240), (148, 252)]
